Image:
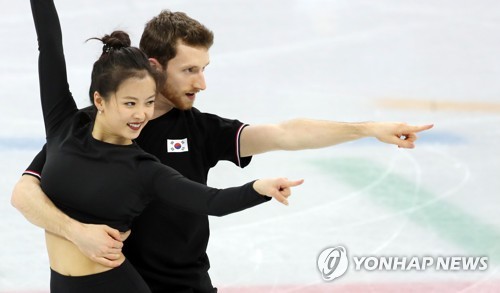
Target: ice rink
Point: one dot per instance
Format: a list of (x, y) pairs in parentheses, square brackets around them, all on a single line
[(347, 60)]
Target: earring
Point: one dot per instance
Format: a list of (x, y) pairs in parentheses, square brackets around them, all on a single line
[(99, 111)]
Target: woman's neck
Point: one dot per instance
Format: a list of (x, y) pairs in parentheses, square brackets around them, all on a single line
[(100, 132)]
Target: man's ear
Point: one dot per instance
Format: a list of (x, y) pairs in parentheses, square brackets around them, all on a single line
[(155, 64)]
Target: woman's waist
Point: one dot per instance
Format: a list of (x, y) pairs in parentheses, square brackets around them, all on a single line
[(66, 258)]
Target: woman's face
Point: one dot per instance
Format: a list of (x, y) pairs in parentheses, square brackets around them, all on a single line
[(127, 111)]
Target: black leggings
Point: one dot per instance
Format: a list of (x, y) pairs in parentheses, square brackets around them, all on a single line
[(122, 279)]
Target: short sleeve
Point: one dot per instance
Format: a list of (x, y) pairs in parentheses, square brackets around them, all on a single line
[(222, 139)]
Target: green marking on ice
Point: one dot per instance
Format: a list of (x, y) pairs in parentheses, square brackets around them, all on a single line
[(423, 207)]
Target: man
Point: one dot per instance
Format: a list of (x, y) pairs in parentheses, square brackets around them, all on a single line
[(169, 248)]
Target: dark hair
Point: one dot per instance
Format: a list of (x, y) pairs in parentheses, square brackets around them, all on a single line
[(118, 62), (160, 36)]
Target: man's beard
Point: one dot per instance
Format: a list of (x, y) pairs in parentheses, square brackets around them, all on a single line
[(178, 102)]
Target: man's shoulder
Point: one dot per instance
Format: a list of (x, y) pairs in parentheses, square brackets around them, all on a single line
[(89, 111), (198, 112), (195, 112), (193, 117)]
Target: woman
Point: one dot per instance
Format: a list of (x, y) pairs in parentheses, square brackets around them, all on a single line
[(94, 171)]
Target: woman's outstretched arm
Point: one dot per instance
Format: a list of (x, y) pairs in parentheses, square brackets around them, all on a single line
[(57, 101), (172, 188)]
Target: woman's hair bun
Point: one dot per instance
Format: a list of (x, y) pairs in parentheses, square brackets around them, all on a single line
[(115, 41)]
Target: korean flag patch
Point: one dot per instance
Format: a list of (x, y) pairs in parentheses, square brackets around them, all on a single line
[(177, 145)]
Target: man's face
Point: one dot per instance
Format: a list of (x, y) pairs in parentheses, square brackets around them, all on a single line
[(185, 76)]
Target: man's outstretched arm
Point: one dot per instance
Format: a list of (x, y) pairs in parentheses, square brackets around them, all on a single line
[(299, 134), (100, 243)]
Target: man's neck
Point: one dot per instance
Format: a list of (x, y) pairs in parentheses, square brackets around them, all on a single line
[(162, 106)]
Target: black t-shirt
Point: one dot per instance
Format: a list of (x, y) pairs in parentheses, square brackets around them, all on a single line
[(73, 160), (169, 248), (168, 245)]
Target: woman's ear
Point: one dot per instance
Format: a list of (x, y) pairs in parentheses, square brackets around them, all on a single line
[(155, 64), (98, 102)]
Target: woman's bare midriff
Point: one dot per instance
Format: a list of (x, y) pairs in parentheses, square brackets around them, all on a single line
[(66, 259)]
